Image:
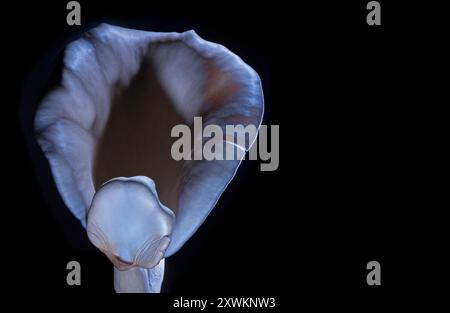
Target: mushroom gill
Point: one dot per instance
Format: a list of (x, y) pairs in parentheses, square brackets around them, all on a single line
[(106, 132)]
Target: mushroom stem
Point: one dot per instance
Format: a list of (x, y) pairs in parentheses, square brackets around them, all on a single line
[(139, 280), (128, 223)]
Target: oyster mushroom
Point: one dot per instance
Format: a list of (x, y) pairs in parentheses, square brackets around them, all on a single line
[(106, 132)]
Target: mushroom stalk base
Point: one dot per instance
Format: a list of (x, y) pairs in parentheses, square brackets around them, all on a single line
[(139, 280)]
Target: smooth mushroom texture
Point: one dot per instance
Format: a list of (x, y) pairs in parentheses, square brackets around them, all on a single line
[(106, 132)]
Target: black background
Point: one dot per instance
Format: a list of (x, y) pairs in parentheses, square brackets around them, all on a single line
[(341, 197)]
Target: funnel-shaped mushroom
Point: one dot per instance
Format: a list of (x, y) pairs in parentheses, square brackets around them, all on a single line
[(122, 92)]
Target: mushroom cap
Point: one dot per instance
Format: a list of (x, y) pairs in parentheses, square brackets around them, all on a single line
[(200, 77)]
